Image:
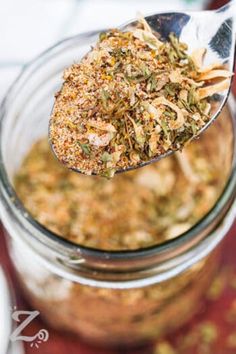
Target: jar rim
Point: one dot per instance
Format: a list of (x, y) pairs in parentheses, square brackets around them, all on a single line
[(10, 198)]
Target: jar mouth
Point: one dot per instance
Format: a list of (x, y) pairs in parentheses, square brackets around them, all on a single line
[(10, 199)]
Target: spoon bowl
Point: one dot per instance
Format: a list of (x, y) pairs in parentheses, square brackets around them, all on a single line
[(212, 30)]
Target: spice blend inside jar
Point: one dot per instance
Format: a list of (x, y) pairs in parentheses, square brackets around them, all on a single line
[(61, 200), (137, 209)]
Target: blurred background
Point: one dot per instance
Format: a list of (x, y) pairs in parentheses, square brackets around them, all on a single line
[(27, 27)]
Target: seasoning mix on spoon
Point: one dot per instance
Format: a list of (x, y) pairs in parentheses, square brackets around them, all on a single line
[(131, 99)]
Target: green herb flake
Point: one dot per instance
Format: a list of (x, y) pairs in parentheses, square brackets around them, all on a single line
[(192, 100), (109, 173), (177, 46), (171, 89), (106, 157), (105, 97), (85, 148), (102, 36)]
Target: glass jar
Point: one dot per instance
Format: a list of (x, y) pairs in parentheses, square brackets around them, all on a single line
[(108, 297), (7, 325)]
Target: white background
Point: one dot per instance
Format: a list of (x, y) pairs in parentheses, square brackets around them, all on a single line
[(28, 27)]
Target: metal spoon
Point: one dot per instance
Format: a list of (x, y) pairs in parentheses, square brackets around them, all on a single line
[(213, 30)]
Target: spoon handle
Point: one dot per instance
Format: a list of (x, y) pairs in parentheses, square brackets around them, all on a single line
[(229, 10)]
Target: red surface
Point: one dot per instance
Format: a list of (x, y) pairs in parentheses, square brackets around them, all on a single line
[(214, 311)]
